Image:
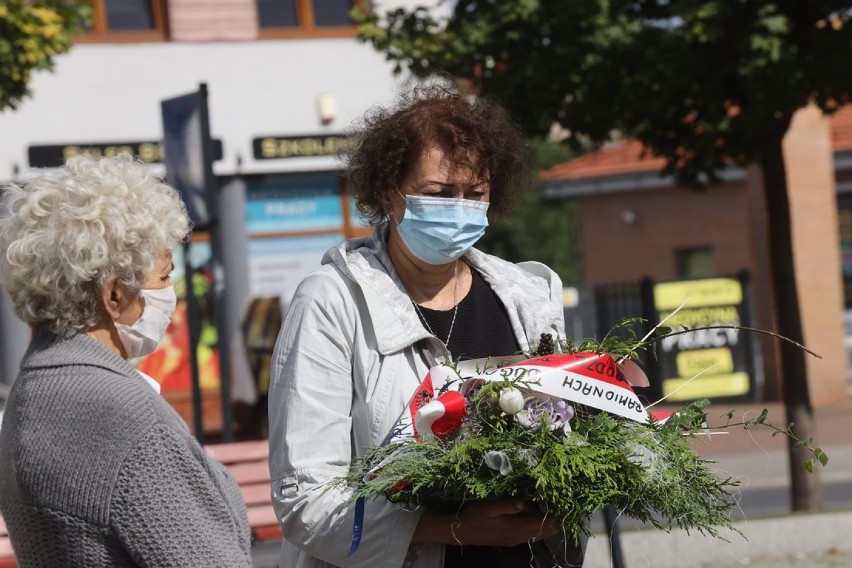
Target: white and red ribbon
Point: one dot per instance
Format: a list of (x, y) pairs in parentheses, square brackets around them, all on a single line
[(592, 379)]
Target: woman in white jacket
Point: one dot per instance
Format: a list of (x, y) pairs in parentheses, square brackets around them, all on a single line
[(363, 331)]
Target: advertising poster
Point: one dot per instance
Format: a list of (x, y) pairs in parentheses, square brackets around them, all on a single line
[(295, 203), (712, 361), (276, 266)]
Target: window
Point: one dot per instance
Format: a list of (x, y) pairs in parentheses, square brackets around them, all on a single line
[(300, 18), (695, 263), (127, 20), (844, 215)]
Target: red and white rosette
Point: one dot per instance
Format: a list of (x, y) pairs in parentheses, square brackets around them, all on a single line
[(440, 417)]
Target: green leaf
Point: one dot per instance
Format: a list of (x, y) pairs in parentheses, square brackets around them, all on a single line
[(638, 69), (821, 456), (809, 466), (33, 33)]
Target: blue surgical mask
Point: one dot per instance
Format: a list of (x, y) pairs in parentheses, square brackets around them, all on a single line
[(439, 230)]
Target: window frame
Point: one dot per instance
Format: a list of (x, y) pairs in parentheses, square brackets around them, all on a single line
[(100, 32), (307, 27), (686, 257)]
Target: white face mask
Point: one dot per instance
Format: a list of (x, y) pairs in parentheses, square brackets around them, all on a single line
[(143, 337)]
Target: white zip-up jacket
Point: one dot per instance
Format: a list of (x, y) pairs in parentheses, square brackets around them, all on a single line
[(349, 357)]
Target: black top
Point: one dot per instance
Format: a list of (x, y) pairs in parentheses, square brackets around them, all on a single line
[(482, 329)]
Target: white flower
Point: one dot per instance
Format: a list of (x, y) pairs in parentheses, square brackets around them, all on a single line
[(511, 400), (498, 461)]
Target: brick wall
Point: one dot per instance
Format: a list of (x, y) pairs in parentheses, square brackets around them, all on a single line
[(723, 218), (628, 235), (663, 220), (816, 248)]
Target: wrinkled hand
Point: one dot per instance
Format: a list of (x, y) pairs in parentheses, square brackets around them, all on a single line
[(487, 523)]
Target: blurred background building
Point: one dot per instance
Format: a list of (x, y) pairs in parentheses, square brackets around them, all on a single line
[(635, 224), (286, 80)]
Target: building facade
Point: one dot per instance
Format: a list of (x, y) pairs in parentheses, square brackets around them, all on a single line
[(286, 82), (634, 224)]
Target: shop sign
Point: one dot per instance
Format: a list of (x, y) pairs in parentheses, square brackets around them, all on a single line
[(711, 361), (54, 155), (277, 147)]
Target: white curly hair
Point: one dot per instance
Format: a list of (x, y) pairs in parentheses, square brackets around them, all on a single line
[(67, 230)]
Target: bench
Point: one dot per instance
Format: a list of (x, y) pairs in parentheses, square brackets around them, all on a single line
[(247, 463), (7, 557)]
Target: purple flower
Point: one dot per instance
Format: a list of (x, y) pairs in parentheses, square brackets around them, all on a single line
[(555, 410)]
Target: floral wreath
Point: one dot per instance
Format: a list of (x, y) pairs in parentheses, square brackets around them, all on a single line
[(559, 426)]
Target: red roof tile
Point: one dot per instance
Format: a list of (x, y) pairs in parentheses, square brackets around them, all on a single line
[(626, 157)]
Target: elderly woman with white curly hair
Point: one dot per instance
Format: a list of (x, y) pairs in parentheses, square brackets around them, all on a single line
[(95, 468)]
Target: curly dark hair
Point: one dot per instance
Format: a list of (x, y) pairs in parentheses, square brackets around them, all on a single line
[(476, 134)]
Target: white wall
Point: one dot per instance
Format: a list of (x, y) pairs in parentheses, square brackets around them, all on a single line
[(102, 93), (112, 92)]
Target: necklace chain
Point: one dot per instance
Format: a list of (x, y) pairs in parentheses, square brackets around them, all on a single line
[(455, 313), (428, 327)]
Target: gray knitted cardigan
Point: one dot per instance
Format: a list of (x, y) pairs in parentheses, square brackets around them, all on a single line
[(97, 470)]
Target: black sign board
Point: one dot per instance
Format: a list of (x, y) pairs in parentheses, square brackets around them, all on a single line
[(53, 156), (713, 360), (276, 147)]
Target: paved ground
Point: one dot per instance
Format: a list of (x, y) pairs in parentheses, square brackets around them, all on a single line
[(759, 461), (819, 541), (265, 555)]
